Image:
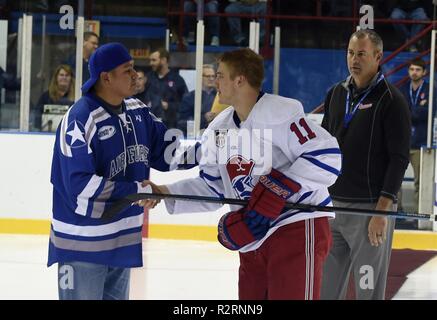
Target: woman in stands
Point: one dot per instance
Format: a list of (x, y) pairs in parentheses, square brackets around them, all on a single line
[(61, 92)]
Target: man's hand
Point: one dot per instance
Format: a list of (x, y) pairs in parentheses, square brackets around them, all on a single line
[(151, 203), (377, 229)]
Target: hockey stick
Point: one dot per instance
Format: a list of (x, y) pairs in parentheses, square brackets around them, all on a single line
[(122, 204)]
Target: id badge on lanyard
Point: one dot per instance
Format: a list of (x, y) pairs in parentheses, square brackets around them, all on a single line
[(348, 115), (414, 100)]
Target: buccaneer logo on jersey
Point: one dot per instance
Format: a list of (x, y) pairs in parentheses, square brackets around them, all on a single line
[(240, 173), (75, 136)]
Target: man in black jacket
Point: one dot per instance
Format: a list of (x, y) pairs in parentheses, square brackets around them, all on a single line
[(371, 120), (166, 84)]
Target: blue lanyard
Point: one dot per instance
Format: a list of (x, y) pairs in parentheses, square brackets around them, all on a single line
[(414, 102), (349, 115)]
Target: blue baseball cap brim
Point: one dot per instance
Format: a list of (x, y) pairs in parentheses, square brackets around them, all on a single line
[(88, 84), (105, 59)]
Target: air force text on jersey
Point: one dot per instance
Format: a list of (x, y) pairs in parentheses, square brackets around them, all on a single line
[(133, 154)]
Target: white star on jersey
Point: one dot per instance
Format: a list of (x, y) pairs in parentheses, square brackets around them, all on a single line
[(76, 134)]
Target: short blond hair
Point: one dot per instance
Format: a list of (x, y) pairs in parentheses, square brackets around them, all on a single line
[(247, 63)]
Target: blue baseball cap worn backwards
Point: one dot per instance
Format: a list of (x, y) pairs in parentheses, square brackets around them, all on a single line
[(104, 59)]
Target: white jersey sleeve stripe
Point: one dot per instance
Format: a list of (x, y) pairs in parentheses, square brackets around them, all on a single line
[(95, 117), (132, 104), (100, 230), (89, 190), (65, 148)]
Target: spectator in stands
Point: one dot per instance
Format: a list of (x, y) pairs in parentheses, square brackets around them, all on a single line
[(416, 93), (213, 22), (61, 91), (254, 7), (90, 44), (409, 9), (8, 82), (143, 93), (168, 85), (209, 91)]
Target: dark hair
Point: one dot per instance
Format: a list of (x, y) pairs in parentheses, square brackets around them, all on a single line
[(418, 62), (247, 63), (372, 35), (163, 53), (88, 34)]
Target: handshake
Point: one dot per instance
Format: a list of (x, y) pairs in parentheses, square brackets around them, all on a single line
[(148, 186), (239, 228)]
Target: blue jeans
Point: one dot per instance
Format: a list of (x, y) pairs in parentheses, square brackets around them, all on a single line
[(213, 23), (234, 23), (79, 280), (416, 14)]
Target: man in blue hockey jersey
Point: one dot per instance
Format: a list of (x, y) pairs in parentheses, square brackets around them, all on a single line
[(105, 146)]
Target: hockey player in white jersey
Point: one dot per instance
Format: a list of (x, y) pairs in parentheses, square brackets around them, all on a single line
[(265, 150)]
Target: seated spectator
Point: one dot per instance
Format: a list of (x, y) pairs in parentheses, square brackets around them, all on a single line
[(144, 93), (255, 7), (61, 91), (213, 22), (186, 108), (409, 9)]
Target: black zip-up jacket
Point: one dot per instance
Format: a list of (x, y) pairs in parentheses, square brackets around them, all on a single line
[(170, 88), (376, 144)]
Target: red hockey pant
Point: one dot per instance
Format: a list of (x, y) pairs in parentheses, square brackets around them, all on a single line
[(288, 265)]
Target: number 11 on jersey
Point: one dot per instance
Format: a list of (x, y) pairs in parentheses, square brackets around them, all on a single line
[(304, 125)]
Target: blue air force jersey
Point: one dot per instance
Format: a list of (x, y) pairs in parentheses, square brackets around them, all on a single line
[(99, 157), (276, 134)]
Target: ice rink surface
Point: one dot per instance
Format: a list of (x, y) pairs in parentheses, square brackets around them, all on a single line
[(173, 270)]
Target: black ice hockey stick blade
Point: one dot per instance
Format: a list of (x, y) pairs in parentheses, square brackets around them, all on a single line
[(124, 203)]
